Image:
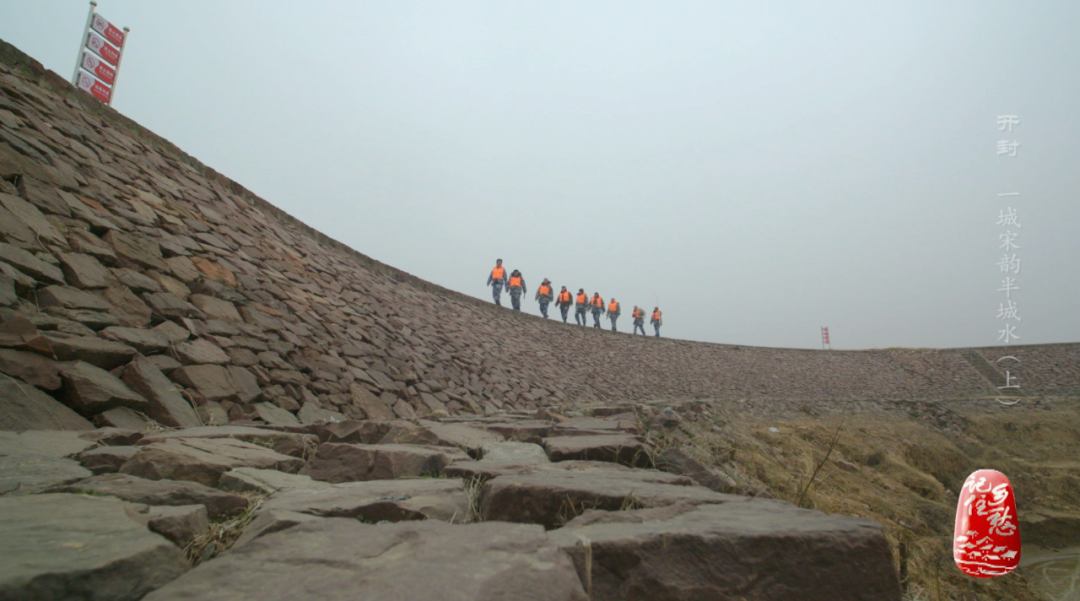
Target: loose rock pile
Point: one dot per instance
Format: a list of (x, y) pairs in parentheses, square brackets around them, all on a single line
[(403, 509)]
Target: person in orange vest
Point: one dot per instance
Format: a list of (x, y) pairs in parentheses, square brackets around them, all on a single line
[(564, 302), (497, 280), (597, 305), (544, 295), (581, 307), (613, 312), (516, 289), (656, 321), (639, 319)]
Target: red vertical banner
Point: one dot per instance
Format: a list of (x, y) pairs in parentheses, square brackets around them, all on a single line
[(110, 31), (90, 84), (98, 67)]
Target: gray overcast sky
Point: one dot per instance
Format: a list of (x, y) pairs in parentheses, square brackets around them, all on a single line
[(762, 168)]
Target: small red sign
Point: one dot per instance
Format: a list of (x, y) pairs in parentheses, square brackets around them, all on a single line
[(110, 31), (98, 67), (90, 84), (103, 49), (986, 537)]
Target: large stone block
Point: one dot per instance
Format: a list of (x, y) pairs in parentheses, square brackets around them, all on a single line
[(165, 403), (340, 462), (553, 497), (62, 547), (336, 559), (764, 549), (98, 352), (204, 460), (32, 368), (92, 390), (616, 448), (219, 503)]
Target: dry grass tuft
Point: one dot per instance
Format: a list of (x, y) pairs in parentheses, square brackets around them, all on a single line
[(220, 536)]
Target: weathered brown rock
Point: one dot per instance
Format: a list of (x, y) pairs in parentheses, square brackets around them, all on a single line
[(216, 308), (616, 448), (84, 271), (372, 406), (33, 218), (180, 524), (31, 265), (523, 431), (98, 352), (676, 461), (274, 415), (211, 381), (135, 250), (168, 305), (758, 550), (71, 298), (199, 352), (92, 390), (340, 462), (267, 482), (62, 547), (285, 443), (219, 504), (553, 497), (32, 368), (128, 308), (29, 473), (165, 403), (106, 460), (336, 559), (390, 500), (203, 460), (122, 418), (113, 437), (145, 341), (52, 443), (310, 414)]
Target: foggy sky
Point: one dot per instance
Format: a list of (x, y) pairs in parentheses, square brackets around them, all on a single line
[(762, 169)]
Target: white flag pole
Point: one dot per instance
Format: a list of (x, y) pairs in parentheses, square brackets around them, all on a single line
[(119, 59), (82, 43)]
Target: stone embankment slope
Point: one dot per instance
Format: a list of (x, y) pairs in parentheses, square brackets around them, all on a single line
[(114, 243)]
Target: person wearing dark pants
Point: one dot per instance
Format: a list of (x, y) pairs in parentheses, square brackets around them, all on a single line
[(582, 307), (597, 306), (497, 280), (613, 312), (565, 302), (639, 319), (516, 289), (656, 321), (544, 295)]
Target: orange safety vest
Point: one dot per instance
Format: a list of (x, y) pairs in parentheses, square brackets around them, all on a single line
[(544, 290), (498, 273), (613, 307), (515, 281), (598, 302), (582, 298), (564, 296), (656, 316), (638, 313)]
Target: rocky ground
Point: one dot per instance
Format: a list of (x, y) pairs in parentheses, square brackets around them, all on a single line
[(187, 367)]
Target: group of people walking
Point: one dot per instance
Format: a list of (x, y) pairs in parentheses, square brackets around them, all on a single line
[(582, 303)]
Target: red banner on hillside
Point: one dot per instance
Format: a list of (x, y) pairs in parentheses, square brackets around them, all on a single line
[(90, 84), (103, 49), (98, 67), (110, 31)]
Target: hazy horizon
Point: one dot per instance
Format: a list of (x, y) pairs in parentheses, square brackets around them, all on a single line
[(758, 171)]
